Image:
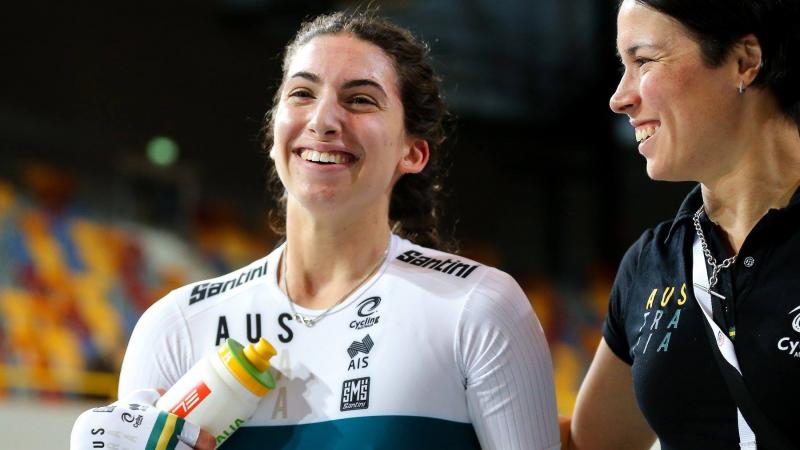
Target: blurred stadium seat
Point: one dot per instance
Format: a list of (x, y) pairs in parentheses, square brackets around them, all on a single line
[(72, 286)]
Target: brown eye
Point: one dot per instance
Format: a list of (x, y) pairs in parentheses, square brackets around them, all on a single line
[(362, 100), (300, 93)]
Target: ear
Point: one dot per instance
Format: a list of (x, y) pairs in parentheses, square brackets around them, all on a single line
[(272, 151), (749, 58), (416, 158)]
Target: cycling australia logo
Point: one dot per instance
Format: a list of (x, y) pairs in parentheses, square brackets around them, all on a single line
[(791, 345), (355, 394), (131, 419), (366, 314), (357, 361)]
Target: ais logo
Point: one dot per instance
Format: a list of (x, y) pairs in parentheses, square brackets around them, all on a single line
[(355, 394), (355, 348)]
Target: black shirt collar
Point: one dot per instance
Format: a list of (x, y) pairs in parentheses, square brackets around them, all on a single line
[(694, 199), (689, 206), (795, 201)]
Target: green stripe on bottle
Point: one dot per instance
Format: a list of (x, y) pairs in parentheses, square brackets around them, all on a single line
[(173, 440), (155, 434)]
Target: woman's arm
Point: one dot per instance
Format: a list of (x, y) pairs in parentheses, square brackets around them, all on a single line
[(507, 368), (606, 413), (159, 351)]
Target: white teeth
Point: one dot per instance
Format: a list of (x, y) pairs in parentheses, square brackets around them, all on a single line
[(324, 157), (643, 133)]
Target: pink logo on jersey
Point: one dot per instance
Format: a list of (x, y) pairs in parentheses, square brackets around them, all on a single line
[(189, 401)]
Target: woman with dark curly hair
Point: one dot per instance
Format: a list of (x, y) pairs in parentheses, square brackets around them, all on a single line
[(383, 341), (701, 346)]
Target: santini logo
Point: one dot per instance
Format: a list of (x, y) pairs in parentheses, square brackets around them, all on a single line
[(364, 347), (448, 266), (355, 394), (203, 291)]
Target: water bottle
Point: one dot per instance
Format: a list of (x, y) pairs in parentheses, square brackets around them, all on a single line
[(221, 392)]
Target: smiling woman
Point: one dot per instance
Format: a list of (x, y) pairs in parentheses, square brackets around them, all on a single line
[(670, 93), (414, 201), (383, 340), (703, 303), (341, 97)]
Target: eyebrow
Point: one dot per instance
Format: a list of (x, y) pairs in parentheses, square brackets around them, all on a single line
[(306, 75), (634, 48), (346, 85), (363, 82)]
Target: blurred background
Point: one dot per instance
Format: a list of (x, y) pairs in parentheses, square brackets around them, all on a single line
[(130, 165)]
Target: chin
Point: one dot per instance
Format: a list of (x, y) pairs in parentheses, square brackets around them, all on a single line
[(652, 168), (656, 175), (661, 172), (657, 171), (312, 197)]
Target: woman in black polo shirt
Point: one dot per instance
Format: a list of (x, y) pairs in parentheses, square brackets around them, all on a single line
[(712, 90)]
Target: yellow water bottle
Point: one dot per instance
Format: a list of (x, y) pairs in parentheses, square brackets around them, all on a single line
[(222, 391)]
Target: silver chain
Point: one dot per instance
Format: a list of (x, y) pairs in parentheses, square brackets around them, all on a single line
[(715, 268), (311, 321)]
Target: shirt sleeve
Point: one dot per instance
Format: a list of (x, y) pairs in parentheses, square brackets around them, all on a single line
[(159, 351), (614, 325), (508, 373)]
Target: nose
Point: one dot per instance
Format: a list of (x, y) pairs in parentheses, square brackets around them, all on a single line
[(626, 97), (325, 121)]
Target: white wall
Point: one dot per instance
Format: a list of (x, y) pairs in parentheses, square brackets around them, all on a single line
[(36, 424)]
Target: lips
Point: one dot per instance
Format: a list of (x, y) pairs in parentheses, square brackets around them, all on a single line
[(644, 128), (643, 133), (325, 155)]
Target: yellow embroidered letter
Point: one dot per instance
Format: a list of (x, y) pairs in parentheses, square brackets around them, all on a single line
[(650, 300), (668, 291)]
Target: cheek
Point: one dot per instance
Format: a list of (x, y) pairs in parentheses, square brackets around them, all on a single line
[(657, 89), (678, 101), (381, 138), (287, 124), (394, 136)]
